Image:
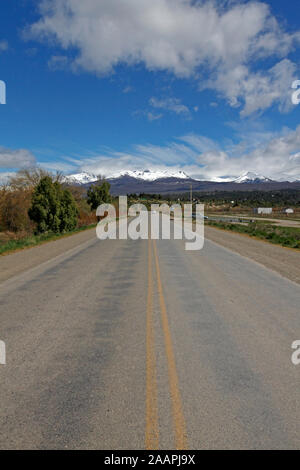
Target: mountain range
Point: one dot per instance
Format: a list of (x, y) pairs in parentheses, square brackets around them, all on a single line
[(145, 175), (170, 181)]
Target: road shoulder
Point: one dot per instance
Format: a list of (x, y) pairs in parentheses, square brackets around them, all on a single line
[(21, 261), (284, 261)]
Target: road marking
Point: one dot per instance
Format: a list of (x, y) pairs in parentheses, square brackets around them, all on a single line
[(178, 417), (152, 432)]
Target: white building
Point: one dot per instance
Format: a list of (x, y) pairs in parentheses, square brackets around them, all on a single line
[(265, 210), (289, 211)]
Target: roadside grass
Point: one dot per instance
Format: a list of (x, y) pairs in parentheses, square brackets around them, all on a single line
[(9, 246), (284, 236)]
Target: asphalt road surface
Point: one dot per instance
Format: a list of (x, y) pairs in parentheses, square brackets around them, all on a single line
[(141, 344)]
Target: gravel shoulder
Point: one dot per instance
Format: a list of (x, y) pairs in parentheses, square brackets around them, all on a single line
[(21, 261), (285, 261)]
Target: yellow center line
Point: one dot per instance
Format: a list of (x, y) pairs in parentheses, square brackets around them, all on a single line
[(152, 433), (178, 417)]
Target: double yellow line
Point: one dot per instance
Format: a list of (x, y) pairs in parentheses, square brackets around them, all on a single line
[(152, 423)]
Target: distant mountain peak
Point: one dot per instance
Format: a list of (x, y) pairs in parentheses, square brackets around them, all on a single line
[(152, 175), (251, 177), (81, 178)]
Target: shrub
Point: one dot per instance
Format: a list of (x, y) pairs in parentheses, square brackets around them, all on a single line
[(53, 208), (14, 205), (85, 215), (99, 194)]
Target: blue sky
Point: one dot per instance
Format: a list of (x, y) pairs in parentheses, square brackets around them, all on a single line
[(110, 85)]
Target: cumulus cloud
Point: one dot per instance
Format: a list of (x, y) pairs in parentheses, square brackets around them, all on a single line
[(19, 158), (257, 91), (220, 40)]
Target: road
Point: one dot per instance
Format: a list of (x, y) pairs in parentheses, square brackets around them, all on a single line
[(140, 344)]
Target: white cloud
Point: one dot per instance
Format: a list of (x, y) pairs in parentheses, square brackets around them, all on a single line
[(276, 157), (154, 117), (54, 166), (58, 62), (127, 89), (257, 91), (3, 45), (20, 158), (222, 40), (170, 104), (200, 143)]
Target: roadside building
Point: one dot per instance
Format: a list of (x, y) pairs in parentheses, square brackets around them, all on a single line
[(264, 210), (289, 211)]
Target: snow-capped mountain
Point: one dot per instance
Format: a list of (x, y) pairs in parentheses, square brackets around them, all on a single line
[(145, 175), (168, 181), (152, 175), (81, 178), (251, 177)]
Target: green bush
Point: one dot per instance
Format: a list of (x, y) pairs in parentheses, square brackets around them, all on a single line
[(53, 208), (98, 194)]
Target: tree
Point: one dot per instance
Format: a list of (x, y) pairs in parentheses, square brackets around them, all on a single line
[(29, 178), (53, 208), (99, 194), (69, 211), (85, 215)]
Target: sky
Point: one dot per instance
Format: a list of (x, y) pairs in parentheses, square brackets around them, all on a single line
[(104, 86)]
